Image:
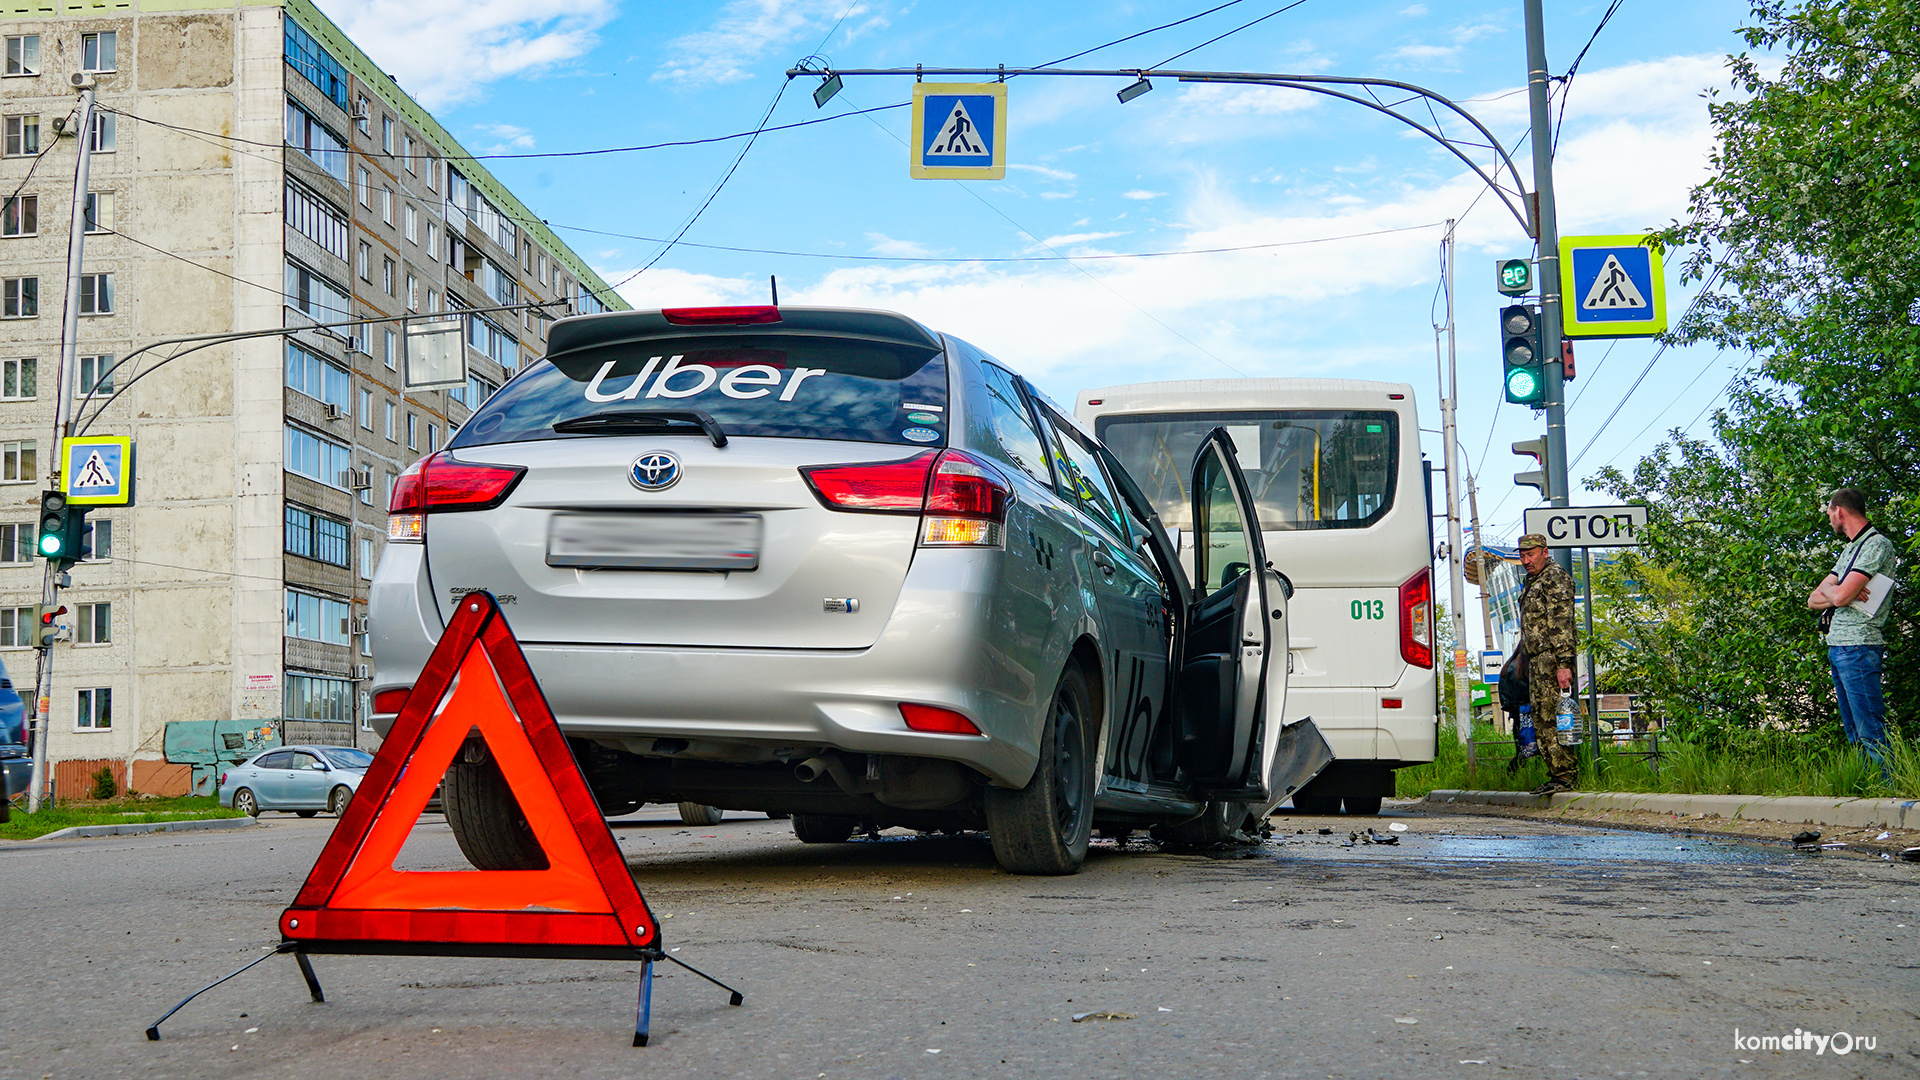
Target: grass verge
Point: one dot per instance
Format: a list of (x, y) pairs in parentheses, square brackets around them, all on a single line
[(25, 826), (1748, 763)]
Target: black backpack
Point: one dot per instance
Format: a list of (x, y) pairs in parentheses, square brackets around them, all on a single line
[(1514, 688)]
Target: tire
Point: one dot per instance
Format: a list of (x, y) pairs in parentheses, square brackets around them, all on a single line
[(245, 802), (1044, 828), (1363, 805), (305, 813), (823, 828), (694, 813), (337, 801), (1316, 804), (486, 819), (775, 815), (1212, 828)]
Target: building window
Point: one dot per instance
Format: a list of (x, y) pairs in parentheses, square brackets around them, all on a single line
[(318, 377), (99, 211), (16, 544), (315, 218), (364, 264), (314, 139), (23, 54), (474, 393), (366, 493), (413, 427), (16, 626), (386, 277), (23, 134), (314, 296), (433, 241), (433, 437), (20, 297), (413, 293), (363, 187), (317, 618), (316, 458), (313, 535), (96, 51), (406, 146), (17, 462), (386, 205), (96, 294), (103, 133), (309, 697), (386, 349), (433, 300), (362, 109), (21, 216), (93, 709), (391, 409), (366, 409), (93, 624), (412, 219), (307, 57), (386, 134), (96, 375), (17, 378), (102, 541), (392, 478), (366, 560)]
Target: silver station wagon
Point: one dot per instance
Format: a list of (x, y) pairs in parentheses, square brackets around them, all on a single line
[(833, 564)]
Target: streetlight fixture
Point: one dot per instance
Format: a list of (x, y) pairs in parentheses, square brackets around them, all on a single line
[(1135, 90), (823, 93)]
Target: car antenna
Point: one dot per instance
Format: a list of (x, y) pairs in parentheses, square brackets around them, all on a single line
[(773, 286)]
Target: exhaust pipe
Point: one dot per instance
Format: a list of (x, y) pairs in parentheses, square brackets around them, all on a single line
[(813, 768), (830, 765)]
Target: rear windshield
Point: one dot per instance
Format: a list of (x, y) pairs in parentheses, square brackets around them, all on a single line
[(787, 388), (1314, 469)]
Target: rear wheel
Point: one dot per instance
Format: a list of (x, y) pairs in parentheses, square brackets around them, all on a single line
[(1044, 828), (1363, 804), (1216, 826), (244, 802), (694, 813), (487, 821), (823, 828), (1317, 804)]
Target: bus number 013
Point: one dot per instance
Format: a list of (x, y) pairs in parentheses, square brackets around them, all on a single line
[(1369, 609)]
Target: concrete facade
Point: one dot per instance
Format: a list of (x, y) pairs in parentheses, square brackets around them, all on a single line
[(236, 587)]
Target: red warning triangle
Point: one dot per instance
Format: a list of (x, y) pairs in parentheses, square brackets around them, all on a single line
[(584, 905)]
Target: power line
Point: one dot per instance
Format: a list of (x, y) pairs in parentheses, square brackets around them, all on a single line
[(1683, 392), (1566, 81), (1230, 33), (1657, 354), (1143, 33)]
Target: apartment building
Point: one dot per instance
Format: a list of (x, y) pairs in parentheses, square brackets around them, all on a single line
[(251, 169)]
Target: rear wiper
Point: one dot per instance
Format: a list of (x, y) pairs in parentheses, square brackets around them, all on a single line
[(625, 420)]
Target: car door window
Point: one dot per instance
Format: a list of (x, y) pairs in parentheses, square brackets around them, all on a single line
[(1087, 485), (1222, 551), (275, 760), (1012, 423), (306, 762)]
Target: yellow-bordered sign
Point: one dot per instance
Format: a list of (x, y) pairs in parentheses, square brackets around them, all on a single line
[(959, 131), (1611, 287), (97, 470)]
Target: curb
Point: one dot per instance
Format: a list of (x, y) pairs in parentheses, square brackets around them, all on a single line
[(1791, 809), (83, 832)]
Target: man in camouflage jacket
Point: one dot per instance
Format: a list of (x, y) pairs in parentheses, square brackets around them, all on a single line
[(1551, 640)]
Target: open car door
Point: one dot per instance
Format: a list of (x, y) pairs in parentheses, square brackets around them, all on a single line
[(1233, 667)]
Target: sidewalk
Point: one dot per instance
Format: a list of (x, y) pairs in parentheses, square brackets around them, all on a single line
[(1790, 809)]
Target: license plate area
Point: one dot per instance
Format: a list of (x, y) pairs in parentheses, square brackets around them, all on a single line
[(654, 541)]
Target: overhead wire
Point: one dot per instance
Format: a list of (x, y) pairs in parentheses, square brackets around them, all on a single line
[(1657, 354), (1566, 81), (1230, 33)]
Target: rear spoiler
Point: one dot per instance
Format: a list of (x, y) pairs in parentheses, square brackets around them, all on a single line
[(886, 329)]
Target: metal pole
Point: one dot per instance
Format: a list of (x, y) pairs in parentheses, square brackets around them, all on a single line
[(1548, 236), (1593, 673), (1450, 450), (1480, 549), (63, 397)]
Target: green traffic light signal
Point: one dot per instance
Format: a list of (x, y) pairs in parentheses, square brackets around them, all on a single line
[(61, 530), (1524, 382), (1516, 276)]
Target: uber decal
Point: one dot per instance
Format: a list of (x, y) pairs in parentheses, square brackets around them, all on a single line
[(746, 382)]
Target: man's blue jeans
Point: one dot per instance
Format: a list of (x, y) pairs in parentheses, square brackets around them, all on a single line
[(1863, 713)]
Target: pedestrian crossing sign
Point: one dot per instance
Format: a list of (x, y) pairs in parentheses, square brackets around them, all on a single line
[(1611, 287), (97, 470), (959, 131)]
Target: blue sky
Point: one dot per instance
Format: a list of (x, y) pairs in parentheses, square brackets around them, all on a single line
[(1180, 168)]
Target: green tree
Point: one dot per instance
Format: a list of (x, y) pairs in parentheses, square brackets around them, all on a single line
[(1807, 237)]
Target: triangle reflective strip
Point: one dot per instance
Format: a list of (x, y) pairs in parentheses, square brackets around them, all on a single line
[(477, 678)]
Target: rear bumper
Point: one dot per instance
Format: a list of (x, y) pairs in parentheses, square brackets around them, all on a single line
[(1359, 728), (746, 705)]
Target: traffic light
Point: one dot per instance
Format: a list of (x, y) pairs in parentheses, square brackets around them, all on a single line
[(64, 533), (1537, 476), (1520, 351), (1515, 276), (44, 630)]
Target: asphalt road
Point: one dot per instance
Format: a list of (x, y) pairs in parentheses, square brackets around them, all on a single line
[(1475, 947)]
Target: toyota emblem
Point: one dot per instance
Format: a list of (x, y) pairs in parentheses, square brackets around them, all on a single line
[(655, 471)]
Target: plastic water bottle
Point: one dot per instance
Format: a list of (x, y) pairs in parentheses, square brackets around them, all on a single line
[(1568, 722), (1527, 736)]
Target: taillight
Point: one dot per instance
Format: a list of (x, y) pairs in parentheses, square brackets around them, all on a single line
[(721, 316), (1416, 619), (222, 782), (966, 503), (935, 719), (882, 487), (439, 484), (391, 701)]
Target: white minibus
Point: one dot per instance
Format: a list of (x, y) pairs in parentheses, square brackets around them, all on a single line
[(1341, 492)]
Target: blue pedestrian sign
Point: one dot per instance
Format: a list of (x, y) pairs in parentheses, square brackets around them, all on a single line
[(1611, 287), (97, 470), (959, 131)]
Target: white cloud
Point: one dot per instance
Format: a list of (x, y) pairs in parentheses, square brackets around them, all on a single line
[(511, 137), (666, 287), (473, 42), (1425, 54), (747, 31), (1141, 194), (1414, 11), (1075, 239), (882, 244), (1042, 170)]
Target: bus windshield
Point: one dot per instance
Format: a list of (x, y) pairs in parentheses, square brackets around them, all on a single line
[(1307, 469)]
